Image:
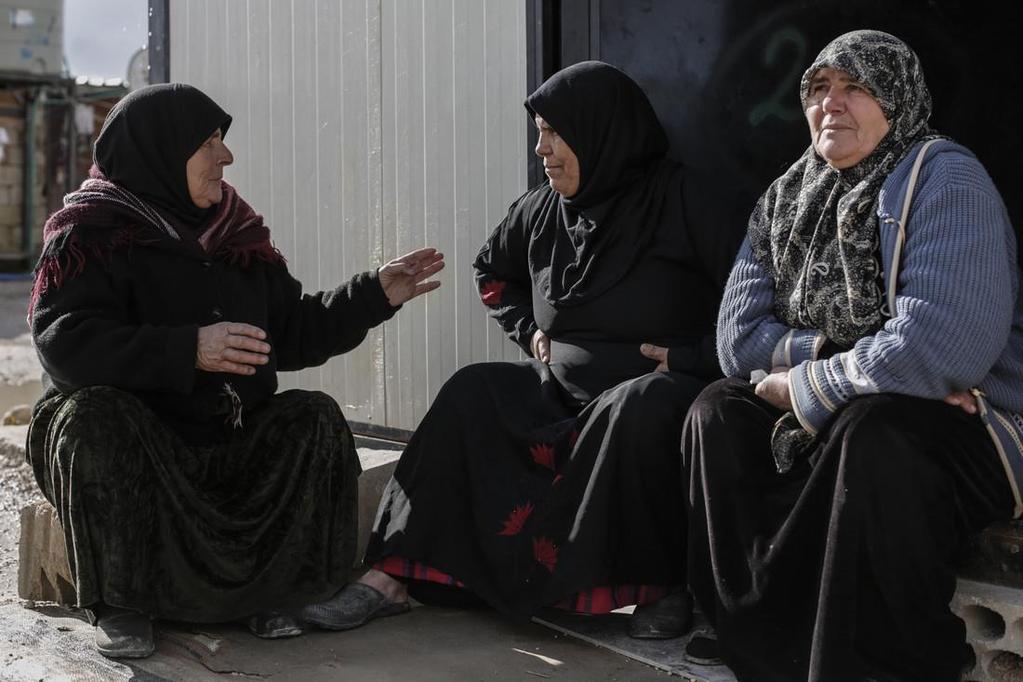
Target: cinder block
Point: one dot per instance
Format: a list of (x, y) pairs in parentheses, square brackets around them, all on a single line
[(994, 628), (43, 570), (377, 468), (996, 555)]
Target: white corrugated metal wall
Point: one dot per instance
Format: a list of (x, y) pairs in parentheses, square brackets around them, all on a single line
[(364, 129)]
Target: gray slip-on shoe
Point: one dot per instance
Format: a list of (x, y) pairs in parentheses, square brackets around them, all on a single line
[(667, 618), (274, 625), (124, 634), (354, 605)]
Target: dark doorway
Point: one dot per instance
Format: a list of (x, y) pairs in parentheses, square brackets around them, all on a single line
[(723, 75)]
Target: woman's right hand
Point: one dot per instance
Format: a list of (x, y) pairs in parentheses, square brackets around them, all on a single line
[(541, 346), (232, 347)]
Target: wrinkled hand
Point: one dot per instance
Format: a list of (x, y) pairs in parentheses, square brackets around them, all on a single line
[(541, 346), (775, 389), (659, 353), (963, 400), (231, 347), (402, 278)]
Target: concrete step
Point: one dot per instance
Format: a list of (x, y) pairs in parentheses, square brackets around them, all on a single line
[(45, 575)]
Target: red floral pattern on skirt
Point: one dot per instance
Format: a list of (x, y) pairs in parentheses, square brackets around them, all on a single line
[(517, 519)]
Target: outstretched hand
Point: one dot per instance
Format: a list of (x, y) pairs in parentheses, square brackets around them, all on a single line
[(658, 353), (402, 278), (232, 347)]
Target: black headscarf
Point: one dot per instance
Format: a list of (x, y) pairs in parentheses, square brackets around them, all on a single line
[(815, 229), (581, 246), (146, 142)]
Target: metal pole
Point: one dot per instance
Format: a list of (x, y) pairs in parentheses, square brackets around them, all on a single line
[(29, 174), (159, 41)]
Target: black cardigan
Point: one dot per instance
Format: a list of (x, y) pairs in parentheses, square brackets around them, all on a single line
[(130, 320)]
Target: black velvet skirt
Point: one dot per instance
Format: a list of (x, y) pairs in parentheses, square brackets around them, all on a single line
[(515, 491), (265, 520)]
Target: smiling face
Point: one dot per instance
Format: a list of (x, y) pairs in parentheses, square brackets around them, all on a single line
[(559, 161), (204, 170), (846, 122)]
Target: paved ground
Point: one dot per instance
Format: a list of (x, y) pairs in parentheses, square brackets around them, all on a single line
[(46, 642)]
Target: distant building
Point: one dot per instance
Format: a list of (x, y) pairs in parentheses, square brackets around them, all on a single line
[(47, 123)]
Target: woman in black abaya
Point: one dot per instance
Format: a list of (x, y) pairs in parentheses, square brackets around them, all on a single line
[(554, 481)]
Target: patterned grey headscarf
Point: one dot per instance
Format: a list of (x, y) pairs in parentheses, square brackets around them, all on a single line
[(815, 229)]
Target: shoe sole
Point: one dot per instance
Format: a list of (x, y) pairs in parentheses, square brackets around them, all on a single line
[(136, 653), (654, 634)]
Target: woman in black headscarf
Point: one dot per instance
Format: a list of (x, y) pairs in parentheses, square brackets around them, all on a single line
[(874, 304), (554, 481), (162, 312)]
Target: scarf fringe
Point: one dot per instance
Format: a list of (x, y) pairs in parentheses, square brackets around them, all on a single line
[(236, 234)]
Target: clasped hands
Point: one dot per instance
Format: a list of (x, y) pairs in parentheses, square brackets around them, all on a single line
[(774, 388), (238, 348)]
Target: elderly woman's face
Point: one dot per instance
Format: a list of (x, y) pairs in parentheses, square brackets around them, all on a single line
[(204, 170), (559, 161), (846, 122)]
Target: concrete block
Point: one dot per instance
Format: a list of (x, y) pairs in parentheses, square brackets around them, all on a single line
[(996, 555), (994, 628), (377, 468), (43, 570)]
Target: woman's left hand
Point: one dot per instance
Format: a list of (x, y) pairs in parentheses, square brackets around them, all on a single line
[(658, 353), (775, 390), (964, 400), (402, 278)]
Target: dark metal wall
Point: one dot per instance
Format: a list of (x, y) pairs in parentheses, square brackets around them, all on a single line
[(723, 74)]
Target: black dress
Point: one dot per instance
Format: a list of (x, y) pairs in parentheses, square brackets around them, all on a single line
[(533, 484)]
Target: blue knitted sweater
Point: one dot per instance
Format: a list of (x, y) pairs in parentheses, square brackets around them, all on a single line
[(957, 323)]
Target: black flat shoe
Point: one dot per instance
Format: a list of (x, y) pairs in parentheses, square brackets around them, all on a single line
[(666, 618), (121, 633), (702, 649), (356, 604), (274, 625)]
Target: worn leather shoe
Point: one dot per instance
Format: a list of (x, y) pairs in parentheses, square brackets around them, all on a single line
[(121, 633), (274, 625), (354, 605), (666, 618), (702, 649)]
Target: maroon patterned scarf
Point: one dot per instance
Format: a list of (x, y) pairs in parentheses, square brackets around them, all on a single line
[(102, 217)]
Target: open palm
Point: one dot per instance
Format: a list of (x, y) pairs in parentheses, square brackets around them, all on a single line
[(403, 278)]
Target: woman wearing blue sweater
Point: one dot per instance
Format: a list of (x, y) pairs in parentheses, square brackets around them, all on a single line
[(871, 421)]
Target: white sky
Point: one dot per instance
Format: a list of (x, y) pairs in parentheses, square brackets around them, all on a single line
[(100, 36)]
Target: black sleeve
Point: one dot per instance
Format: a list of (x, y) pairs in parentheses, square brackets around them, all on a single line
[(309, 329), (85, 337), (502, 277)]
